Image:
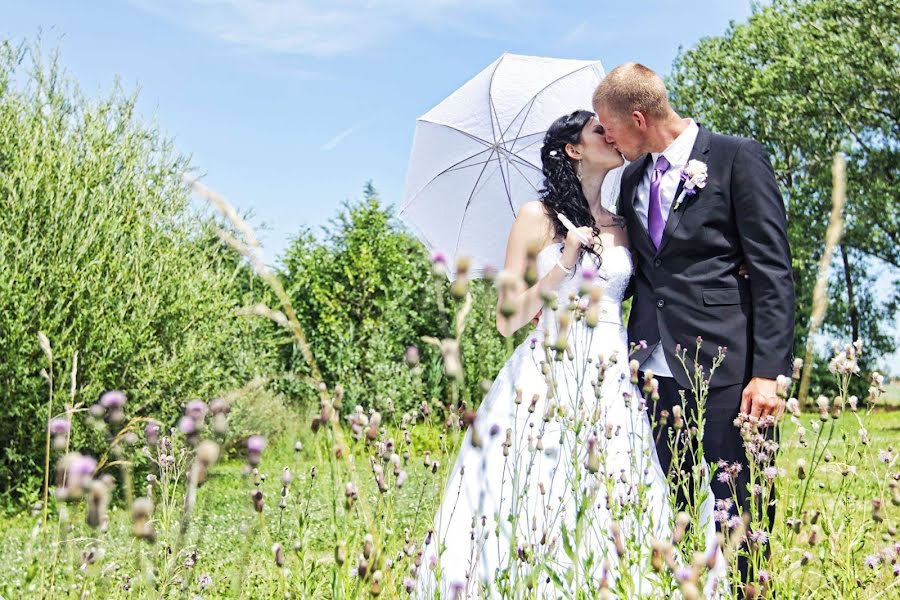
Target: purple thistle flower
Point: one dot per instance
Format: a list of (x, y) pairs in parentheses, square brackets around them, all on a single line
[(196, 409), (885, 456), (112, 399), (151, 432), (59, 426), (439, 258), (204, 581), (770, 473), (872, 561), (187, 425), (256, 443), (83, 466), (683, 573), (723, 476), (588, 274), (760, 536)]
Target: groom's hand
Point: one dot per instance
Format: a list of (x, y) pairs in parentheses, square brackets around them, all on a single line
[(760, 398)]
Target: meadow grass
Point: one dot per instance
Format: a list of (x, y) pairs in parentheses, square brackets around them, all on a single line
[(236, 554)]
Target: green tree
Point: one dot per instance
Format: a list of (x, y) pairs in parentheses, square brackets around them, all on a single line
[(808, 79)]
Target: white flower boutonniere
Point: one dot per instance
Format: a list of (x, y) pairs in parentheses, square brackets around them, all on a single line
[(694, 177)]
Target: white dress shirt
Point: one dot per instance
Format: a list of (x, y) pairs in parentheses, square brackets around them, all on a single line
[(678, 153)]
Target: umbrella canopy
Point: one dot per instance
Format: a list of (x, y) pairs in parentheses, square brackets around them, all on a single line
[(476, 156)]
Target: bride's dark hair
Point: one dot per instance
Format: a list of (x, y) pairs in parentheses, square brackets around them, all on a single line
[(562, 191)]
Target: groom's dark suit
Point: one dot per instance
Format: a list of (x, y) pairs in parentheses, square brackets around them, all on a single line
[(691, 287)]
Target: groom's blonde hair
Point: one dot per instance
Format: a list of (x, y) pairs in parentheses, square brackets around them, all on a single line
[(633, 87)]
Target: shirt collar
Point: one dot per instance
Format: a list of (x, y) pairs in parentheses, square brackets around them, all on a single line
[(679, 151)]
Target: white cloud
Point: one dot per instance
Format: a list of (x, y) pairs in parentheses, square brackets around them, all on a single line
[(580, 33), (333, 142), (328, 28)]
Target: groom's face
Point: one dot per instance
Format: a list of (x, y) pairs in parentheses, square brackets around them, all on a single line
[(623, 132)]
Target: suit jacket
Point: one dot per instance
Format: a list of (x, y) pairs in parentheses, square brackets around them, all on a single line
[(690, 286)]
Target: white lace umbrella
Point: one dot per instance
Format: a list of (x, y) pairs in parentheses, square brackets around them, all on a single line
[(476, 156)]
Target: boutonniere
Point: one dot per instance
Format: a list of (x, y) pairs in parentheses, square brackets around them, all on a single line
[(694, 177)]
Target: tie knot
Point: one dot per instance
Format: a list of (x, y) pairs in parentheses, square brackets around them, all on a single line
[(662, 164)]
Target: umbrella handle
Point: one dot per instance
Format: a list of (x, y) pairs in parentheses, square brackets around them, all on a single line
[(571, 227)]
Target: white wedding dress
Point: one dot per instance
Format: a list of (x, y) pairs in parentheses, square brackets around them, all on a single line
[(509, 511)]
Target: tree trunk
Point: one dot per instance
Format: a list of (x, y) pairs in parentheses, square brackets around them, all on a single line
[(851, 304)]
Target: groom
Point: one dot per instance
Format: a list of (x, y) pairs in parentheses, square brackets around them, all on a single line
[(688, 253)]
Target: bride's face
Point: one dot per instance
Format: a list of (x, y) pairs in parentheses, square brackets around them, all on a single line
[(593, 149)]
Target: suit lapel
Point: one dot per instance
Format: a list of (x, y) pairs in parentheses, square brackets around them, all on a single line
[(698, 152)]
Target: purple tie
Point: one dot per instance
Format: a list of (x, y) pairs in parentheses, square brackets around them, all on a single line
[(655, 222)]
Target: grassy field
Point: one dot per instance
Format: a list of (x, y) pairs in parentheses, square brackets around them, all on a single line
[(234, 544)]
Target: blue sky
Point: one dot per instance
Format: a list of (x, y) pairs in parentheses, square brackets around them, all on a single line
[(288, 106)]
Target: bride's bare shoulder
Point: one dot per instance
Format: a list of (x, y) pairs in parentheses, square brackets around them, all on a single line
[(534, 215), (531, 228)]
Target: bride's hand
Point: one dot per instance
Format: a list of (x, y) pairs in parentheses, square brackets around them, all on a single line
[(572, 246)]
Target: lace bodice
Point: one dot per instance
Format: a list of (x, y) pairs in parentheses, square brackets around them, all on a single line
[(613, 274)]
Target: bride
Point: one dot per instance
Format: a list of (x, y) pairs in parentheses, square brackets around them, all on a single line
[(557, 490)]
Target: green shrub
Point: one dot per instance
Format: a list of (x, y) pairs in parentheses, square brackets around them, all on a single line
[(102, 251), (363, 293)]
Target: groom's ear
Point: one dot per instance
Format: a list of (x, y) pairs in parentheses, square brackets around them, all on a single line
[(639, 120)]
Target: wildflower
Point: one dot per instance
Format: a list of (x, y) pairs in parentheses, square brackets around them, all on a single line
[(682, 521), (97, 501), (257, 497), (204, 581), (151, 432), (782, 386), (74, 474), (411, 357), (801, 469), (793, 406), (196, 409), (187, 425), (112, 399), (759, 536), (885, 456), (255, 445), (59, 426), (278, 553), (877, 510), (872, 561), (142, 524), (770, 473), (219, 407), (797, 367)]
